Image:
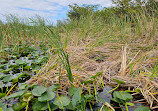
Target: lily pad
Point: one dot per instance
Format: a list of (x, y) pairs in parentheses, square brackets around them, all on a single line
[(53, 107), (39, 106), (71, 91), (20, 62), (61, 101), (7, 78), (76, 98), (39, 60), (70, 106), (15, 95), (38, 90), (47, 96), (120, 96), (23, 86)]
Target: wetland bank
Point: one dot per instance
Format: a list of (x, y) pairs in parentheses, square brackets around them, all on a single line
[(98, 60)]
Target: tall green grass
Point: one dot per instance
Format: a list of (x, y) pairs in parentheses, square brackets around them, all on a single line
[(123, 28), (91, 31)]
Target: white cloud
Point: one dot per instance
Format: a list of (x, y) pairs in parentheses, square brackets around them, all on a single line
[(44, 8), (104, 3)]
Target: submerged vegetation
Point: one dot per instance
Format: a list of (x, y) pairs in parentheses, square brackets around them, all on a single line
[(103, 60)]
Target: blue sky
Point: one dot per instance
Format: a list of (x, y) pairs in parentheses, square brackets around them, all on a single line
[(50, 9)]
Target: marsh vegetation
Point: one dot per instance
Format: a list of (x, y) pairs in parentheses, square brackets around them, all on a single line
[(103, 60)]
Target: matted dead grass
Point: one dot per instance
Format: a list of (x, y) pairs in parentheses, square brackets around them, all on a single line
[(131, 64)]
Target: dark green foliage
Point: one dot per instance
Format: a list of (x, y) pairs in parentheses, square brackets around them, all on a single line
[(132, 6), (122, 7), (77, 11)]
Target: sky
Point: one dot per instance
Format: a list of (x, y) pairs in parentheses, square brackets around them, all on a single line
[(51, 10)]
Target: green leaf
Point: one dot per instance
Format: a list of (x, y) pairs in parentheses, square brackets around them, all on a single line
[(1, 109), (38, 90), (61, 101), (105, 108), (2, 65), (23, 86), (88, 96), (18, 106), (119, 82), (23, 74), (130, 104), (47, 96), (15, 95), (71, 91), (118, 100), (86, 82), (7, 70), (40, 60), (36, 67), (32, 86), (99, 73), (70, 107), (83, 103), (2, 75), (3, 106), (142, 108), (76, 98), (7, 78), (39, 106), (35, 53), (27, 68), (15, 80), (13, 66), (20, 62), (2, 60), (138, 90), (53, 107), (54, 87), (122, 95), (2, 95)]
